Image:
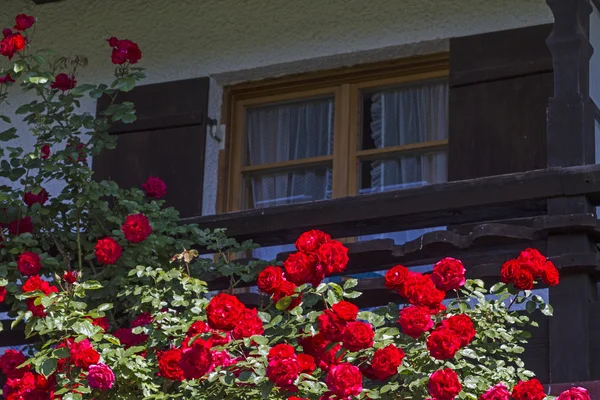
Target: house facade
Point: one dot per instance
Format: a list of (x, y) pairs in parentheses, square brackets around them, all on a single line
[(417, 123)]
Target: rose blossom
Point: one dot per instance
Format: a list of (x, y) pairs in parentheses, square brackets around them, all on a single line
[(420, 290), (415, 320), (102, 322), (6, 79), (385, 362), (3, 293), (448, 274), (10, 360), (333, 256), (575, 393), (45, 152), (331, 326), (154, 187), (248, 325), (83, 354), (307, 363), (444, 385), (344, 380), (358, 335), (29, 263), (288, 289), (136, 228), (523, 280), (462, 326), (224, 312), (70, 276), (508, 271), (20, 226), (30, 198), (281, 350), (195, 361), (550, 274), (443, 344), (269, 280), (283, 371), (529, 390), (100, 376), (12, 43), (310, 241), (532, 261), (496, 392), (24, 22), (107, 251), (168, 364), (300, 268), (128, 338), (394, 277), (345, 310), (63, 82), (124, 51)]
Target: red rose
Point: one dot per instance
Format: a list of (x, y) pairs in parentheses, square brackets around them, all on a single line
[(155, 187), (508, 271), (128, 338), (550, 275), (523, 280), (70, 276), (269, 280), (63, 82), (415, 320), (36, 310), (30, 199), (310, 241), (496, 392), (10, 360), (221, 359), (83, 354), (283, 372), (2, 293), (12, 43), (102, 322), (331, 326), (300, 268), (168, 364), (575, 393), (444, 385), (34, 283), (142, 319), (281, 350), (20, 226), (224, 312), (23, 22), (420, 290), (529, 390), (29, 263), (287, 289), (315, 346), (532, 261), (100, 376), (386, 361), (344, 380), (136, 228), (358, 336), (333, 256), (345, 310), (124, 51), (45, 152), (394, 278), (195, 362), (448, 274), (307, 363), (107, 251), (6, 79), (443, 344), (249, 324), (463, 327), (19, 388)]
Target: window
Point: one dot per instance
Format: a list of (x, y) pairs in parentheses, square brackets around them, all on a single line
[(339, 133)]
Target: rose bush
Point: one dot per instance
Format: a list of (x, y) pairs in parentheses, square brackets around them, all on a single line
[(108, 284)]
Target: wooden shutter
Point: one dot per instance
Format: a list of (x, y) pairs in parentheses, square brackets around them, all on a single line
[(167, 140), (500, 83)]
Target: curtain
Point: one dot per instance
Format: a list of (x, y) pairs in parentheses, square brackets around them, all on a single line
[(286, 132), (409, 115)]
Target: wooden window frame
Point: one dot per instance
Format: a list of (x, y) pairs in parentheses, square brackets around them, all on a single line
[(345, 86)]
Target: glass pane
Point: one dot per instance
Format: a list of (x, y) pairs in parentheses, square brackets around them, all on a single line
[(287, 187), (289, 131), (403, 172), (404, 115)]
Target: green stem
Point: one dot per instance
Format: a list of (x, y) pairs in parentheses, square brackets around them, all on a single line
[(79, 253)]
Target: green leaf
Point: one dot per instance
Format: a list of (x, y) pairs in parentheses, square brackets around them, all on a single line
[(284, 303), (5, 119), (350, 283), (83, 88), (530, 307), (128, 118), (19, 65), (84, 328), (266, 390), (48, 366), (126, 84), (547, 310), (8, 134), (91, 285)]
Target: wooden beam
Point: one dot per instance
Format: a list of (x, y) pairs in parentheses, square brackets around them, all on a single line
[(476, 200)]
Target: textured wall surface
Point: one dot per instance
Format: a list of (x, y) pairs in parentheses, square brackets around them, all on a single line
[(235, 40)]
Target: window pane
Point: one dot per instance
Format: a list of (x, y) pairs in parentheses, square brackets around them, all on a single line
[(405, 115), (289, 131), (287, 187), (403, 172)]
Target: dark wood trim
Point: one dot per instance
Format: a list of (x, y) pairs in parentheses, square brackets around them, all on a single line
[(173, 121), (475, 200)]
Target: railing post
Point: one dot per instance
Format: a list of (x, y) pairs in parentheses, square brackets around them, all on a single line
[(570, 141)]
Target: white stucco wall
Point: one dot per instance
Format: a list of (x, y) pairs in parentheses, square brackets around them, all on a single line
[(236, 40)]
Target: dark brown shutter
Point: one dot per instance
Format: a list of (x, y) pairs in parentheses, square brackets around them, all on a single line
[(167, 140), (500, 83)]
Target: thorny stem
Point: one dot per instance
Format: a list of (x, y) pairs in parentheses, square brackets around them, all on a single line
[(513, 301), (79, 253)]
